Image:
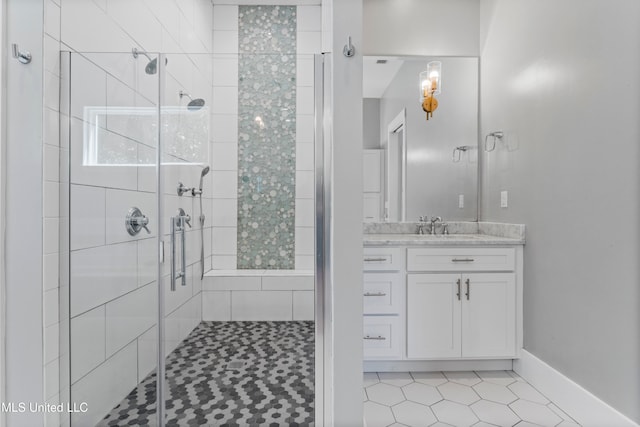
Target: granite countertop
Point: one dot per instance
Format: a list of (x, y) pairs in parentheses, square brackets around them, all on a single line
[(461, 234)]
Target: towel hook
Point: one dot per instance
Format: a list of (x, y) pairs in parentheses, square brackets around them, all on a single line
[(23, 57), (457, 152), (349, 50), (495, 135)]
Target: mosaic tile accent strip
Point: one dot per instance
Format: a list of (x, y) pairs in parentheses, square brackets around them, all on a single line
[(274, 387), (266, 137)]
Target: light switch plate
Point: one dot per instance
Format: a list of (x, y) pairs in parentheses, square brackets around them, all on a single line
[(504, 199), (461, 201)]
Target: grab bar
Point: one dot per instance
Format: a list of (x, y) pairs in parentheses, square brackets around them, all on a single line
[(178, 226)]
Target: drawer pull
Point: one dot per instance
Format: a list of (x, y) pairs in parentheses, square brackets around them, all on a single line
[(462, 260), (374, 259), (458, 293), (378, 338), (375, 294), (468, 282)]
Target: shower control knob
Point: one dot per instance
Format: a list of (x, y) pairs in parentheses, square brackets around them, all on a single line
[(136, 221)]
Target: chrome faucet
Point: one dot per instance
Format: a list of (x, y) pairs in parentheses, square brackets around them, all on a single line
[(434, 221), (423, 221)]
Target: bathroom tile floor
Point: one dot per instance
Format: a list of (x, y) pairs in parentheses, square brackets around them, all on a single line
[(479, 399), (274, 387)]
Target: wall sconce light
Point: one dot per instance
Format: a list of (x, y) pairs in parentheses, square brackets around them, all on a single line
[(430, 85)]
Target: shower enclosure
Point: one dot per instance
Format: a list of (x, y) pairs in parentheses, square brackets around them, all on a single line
[(169, 166)]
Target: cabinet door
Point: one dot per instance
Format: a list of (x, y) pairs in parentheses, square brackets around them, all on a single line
[(372, 171), (371, 207), (433, 316), (489, 315)]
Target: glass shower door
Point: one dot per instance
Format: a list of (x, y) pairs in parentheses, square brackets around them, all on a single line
[(110, 126)]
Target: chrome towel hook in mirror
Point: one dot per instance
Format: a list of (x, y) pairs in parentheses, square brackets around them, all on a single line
[(457, 152), (349, 50), (23, 56), (495, 135)]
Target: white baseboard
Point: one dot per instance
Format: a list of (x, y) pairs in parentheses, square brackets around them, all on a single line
[(584, 407), (436, 365)]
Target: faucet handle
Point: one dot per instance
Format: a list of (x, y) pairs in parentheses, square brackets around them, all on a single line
[(436, 219)]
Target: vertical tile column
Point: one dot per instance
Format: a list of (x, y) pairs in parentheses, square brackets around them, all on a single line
[(308, 43), (224, 129), (266, 136)]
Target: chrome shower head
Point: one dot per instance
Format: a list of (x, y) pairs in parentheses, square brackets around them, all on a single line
[(194, 104), (152, 66), (205, 171)]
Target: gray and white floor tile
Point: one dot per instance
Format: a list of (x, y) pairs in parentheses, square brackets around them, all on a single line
[(445, 399), (273, 387)]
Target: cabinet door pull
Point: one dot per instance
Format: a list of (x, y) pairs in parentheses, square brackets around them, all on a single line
[(374, 259), (468, 282), (462, 260), (375, 294), (378, 338), (458, 293)]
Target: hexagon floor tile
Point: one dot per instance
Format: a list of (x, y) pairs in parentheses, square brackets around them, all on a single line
[(385, 394), (454, 413), (535, 413), (495, 413), (422, 393), (495, 392), (274, 386), (413, 414), (458, 393), (396, 378), (478, 399), (377, 415), (463, 377)]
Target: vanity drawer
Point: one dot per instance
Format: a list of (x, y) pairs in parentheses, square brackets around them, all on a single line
[(382, 259), (382, 293), (382, 337), (460, 259)]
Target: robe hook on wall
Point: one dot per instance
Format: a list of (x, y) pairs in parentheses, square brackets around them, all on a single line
[(23, 56), (349, 50), (495, 135)]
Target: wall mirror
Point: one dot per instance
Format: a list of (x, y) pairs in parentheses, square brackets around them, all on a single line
[(414, 166)]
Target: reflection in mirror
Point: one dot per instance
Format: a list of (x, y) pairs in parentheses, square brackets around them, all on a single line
[(426, 167)]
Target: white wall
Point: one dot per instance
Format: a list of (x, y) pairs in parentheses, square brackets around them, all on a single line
[(420, 27), (24, 214), (567, 100), (344, 118)]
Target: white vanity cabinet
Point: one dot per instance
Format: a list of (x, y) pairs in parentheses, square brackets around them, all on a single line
[(383, 303), (471, 315), (442, 303), (468, 312)]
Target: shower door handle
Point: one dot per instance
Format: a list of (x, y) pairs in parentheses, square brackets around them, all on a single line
[(174, 225), (178, 225)]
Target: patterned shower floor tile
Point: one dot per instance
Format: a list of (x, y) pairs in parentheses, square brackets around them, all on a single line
[(231, 374)]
